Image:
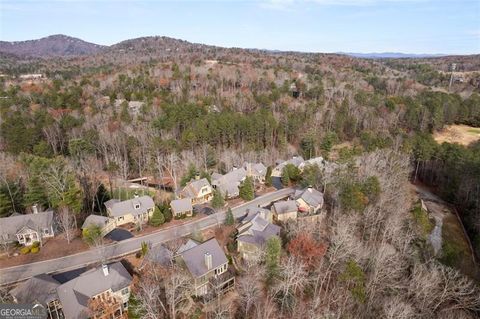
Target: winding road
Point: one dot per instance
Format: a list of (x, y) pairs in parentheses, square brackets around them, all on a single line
[(115, 250)]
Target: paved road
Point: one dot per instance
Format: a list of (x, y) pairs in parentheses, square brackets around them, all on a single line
[(128, 246)]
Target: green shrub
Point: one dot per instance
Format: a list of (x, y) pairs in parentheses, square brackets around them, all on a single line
[(157, 218), (422, 220), (35, 250), (25, 250), (36, 244)]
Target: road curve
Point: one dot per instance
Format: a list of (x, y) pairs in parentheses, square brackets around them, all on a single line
[(22, 272)]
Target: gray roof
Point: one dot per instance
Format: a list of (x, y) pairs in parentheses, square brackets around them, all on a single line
[(194, 258), (75, 294), (252, 214), (95, 220), (312, 197), (259, 231), (286, 206), (193, 187), (181, 205), (228, 183), (41, 288), (121, 208), (160, 254), (188, 245), (256, 169), (9, 226), (296, 161)]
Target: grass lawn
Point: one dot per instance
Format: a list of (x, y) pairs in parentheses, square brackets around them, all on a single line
[(474, 130)]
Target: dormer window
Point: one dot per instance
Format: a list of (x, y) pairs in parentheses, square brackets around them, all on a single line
[(137, 206)]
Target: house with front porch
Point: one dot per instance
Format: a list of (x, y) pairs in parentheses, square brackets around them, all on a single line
[(284, 210), (199, 190), (136, 210), (27, 228), (181, 207), (208, 266), (256, 171), (309, 200), (106, 224)]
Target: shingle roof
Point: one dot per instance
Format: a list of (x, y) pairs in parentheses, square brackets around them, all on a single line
[(259, 231), (193, 187), (194, 258), (160, 254), (312, 197), (286, 206), (228, 183), (75, 294), (9, 226), (121, 208), (257, 169), (188, 245), (95, 220), (41, 288), (181, 205)]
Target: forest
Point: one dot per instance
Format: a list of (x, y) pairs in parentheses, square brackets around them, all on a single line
[(65, 137)]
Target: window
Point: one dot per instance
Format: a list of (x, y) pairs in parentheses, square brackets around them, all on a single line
[(137, 206), (46, 231), (125, 291)]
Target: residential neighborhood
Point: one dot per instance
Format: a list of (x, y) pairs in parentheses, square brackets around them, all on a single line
[(105, 287)]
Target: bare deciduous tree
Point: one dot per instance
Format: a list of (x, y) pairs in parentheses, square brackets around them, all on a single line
[(67, 222)]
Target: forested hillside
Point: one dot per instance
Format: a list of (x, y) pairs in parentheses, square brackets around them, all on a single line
[(64, 135)]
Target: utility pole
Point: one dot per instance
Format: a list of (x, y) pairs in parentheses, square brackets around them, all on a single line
[(454, 66)]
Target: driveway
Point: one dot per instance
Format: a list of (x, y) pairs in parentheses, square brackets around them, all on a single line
[(119, 234), (131, 245)]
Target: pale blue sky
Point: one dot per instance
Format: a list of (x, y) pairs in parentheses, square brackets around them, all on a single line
[(410, 26)]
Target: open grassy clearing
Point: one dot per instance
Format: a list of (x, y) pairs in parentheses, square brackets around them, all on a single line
[(461, 134)]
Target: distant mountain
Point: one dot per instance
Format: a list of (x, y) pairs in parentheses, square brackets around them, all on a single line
[(52, 46), (391, 55)]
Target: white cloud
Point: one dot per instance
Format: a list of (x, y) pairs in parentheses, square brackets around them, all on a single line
[(286, 4)]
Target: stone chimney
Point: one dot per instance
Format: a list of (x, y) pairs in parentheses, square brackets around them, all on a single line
[(35, 209), (105, 270), (208, 261)]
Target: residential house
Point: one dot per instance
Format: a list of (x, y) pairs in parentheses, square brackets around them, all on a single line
[(107, 224), (229, 183), (99, 293), (41, 289), (208, 267), (253, 233), (199, 190), (309, 200), (284, 210), (296, 161), (182, 207), (256, 170), (27, 228), (136, 210)]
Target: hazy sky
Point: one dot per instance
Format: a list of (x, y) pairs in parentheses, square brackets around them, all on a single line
[(411, 26)]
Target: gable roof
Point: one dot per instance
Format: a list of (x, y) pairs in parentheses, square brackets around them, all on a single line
[(181, 205), (41, 288), (256, 169), (75, 294), (228, 183), (10, 226), (286, 206), (194, 258), (193, 187), (188, 245), (95, 220), (296, 161), (259, 231), (312, 197), (120, 208)]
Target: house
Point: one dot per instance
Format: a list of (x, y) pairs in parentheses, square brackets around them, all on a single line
[(41, 289), (199, 190), (208, 267), (98, 293), (27, 228), (256, 170), (284, 210), (136, 210), (229, 183), (182, 207), (253, 233), (107, 224), (309, 200), (296, 161)]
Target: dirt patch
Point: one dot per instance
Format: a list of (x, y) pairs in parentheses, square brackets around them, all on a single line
[(461, 134)]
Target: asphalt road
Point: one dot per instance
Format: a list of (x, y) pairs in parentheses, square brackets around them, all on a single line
[(128, 246)]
